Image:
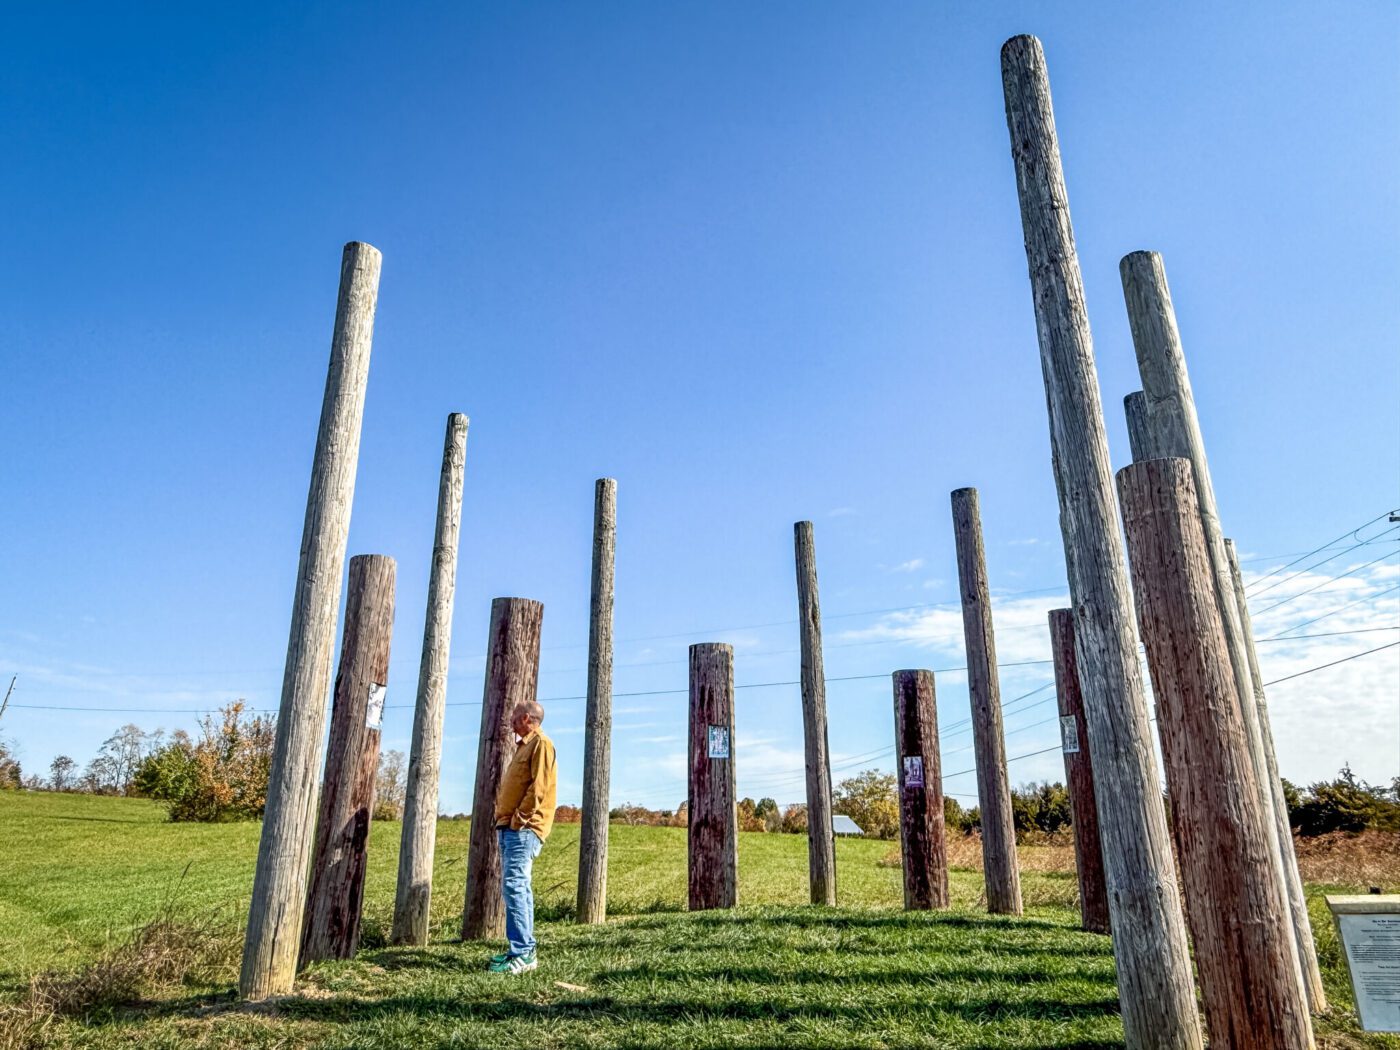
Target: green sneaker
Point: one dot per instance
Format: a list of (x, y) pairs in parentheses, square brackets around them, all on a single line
[(496, 959), (514, 964)]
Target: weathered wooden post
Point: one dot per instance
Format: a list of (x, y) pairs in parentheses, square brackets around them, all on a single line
[(1176, 431), (1079, 775), (922, 836), (821, 838), (1139, 430), (1154, 967), (418, 839), (1234, 898), (512, 673), (1298, 904), (273, 938), (592, 903), (1003, 879), (336, 896), (713, 835)]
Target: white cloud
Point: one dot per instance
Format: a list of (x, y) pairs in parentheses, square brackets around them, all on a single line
[(912, 565), (1020, 625)]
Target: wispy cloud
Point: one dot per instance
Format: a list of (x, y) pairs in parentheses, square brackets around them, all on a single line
[(912, 565)]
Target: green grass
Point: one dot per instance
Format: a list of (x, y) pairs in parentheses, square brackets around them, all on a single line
[(81, 873)]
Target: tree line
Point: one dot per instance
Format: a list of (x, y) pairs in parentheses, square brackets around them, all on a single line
[(220, 773)]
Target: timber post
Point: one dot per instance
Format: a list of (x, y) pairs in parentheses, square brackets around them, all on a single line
[(1293, 881), (922, 831), (592, 900), (272, 941), (712, 837), (1079, 775), (1003, 879), (1176, 431), (417, 841), (1139, 429), (821, 836), (1235, 903), (512, 674), (1154, 966), (335, 900)]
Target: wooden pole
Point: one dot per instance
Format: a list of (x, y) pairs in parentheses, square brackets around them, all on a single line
[(1234, 897), (1293, 882), (821, 837), (1079, 775), (273, 937), (1176, 431), (512, 673), (336, 896), (1139, 430), (1003, 880), (713, 835), (592, 900), (413, 894), (1154, 967), (922, 835)]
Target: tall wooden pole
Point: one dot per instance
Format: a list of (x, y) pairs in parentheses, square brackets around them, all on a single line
[(273, 937), (1234, 897), (512, 673), (1079, 775), (1003, 879), (597, 733), (713, 839), (1139, 430), (335, 899), (417, 842), (1154, 967), (821, 837), (1293, 882), (922, 835), (1176, 431)]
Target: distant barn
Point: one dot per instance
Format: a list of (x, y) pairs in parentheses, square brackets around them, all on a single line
[(844, 825)]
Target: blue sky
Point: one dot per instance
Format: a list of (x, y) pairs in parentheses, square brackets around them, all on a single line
[(758, 263)]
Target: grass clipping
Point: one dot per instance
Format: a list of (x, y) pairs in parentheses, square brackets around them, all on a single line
[(168, 952)]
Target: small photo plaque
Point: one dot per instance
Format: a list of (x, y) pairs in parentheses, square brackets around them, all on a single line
[(374, 715), (1069, 734), (913, 771), (719, 741)]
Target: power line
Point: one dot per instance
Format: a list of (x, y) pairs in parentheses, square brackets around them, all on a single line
[(1256, 590), (1325, 546), (1324, 583), (1334, 663), (1334, 612)]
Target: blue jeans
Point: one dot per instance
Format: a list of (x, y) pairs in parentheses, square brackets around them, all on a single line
[(518, 852)]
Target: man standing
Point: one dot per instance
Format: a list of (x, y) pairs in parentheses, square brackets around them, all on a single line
[(524, 815)]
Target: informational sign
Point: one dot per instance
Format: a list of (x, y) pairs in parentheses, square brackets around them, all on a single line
[(913, 771), (1069, 734), (719, 741), (1369, 928), (374, 715)]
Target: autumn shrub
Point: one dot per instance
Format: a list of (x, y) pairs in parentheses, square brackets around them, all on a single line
[(219, 777)]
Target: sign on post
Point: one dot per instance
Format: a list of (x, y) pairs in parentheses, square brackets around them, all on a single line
[(1369, 929)]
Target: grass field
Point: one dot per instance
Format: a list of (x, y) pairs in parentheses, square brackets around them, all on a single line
[(81, 874)]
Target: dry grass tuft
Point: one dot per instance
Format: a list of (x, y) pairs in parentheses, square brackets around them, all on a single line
[(165, 953), (1351, 858)]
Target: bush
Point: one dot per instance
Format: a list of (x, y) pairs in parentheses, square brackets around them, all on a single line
[(223, 776), (1040, 807), (1345, 804), (11, 777)]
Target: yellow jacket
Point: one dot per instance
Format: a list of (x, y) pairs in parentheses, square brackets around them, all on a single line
[(526, 797)]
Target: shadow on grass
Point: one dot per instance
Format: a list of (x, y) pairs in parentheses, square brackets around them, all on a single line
[(595, 1008)]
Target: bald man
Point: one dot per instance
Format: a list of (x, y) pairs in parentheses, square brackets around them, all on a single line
[(524, 815)]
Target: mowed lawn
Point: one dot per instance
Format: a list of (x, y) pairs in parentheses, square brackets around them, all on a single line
[(79, 874)]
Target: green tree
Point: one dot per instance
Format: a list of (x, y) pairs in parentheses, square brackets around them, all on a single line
[(869, 800), (11, 776)]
